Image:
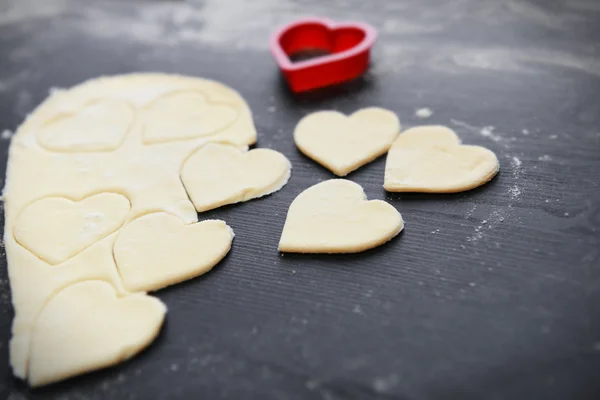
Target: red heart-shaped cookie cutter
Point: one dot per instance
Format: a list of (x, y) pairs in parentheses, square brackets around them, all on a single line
[(347, 44)]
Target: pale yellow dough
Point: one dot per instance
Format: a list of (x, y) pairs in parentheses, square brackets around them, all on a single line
[(219, 174), (431, 159), (86, 327), (84, 165), (158, 250), (56, 228), (335, 217), (345, 143)]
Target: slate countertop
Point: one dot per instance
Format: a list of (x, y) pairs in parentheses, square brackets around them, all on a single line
[(489, 294)]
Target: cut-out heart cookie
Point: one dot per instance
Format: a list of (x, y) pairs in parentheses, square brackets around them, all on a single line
[(344, 143), (100, 125), (158, 250), (185, 115), (219, 174), (431, 159), (335, 217), (87, 327), (57, 228)]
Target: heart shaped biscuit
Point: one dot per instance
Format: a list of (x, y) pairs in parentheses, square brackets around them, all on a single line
[(344, 143), (158, 250), (185, 115), (87, 327), (57, 228), (219, 174), (99, 125), (431, 159), (335, 217)]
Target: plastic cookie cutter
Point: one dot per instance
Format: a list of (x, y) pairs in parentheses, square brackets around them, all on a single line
[(337, 52)]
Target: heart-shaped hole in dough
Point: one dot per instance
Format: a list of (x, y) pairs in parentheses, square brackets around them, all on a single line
[(158, 250), (219, 174), (100, 125), (185, 115), (431, 159), (335, 217), (345, 143), (57, 228)]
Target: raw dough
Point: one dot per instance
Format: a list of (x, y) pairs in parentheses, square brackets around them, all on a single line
[(192, 115), (104, 121), (56, 228), (219, 174), (335, 217), (431, 159), (87, 327), (344, 143), (158, 250), (96, 141)]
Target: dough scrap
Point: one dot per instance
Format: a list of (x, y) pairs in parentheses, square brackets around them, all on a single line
[(89, 139), (431, 159), (345, 143), (86, 327), (335, 217), (57, 228), (219, 174), (158, 250)]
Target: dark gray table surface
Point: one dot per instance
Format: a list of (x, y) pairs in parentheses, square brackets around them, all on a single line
[(489, 294)]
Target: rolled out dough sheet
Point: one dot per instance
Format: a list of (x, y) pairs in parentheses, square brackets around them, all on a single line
[(98, 161)]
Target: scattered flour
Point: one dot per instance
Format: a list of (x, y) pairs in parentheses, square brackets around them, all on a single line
[(514, 192), (385, 384), (525, 132), (6, 134), (553, 137), (493, 219), (545, 157), (486, 131), (423, 113), (477, 235)]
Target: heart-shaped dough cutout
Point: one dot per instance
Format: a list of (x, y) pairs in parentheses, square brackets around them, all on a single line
[(335, 217), (219, 174), (431, 159), (344, 143), (185, 115), (57, 228), (99, 125), (158, 250), (86, 327)]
